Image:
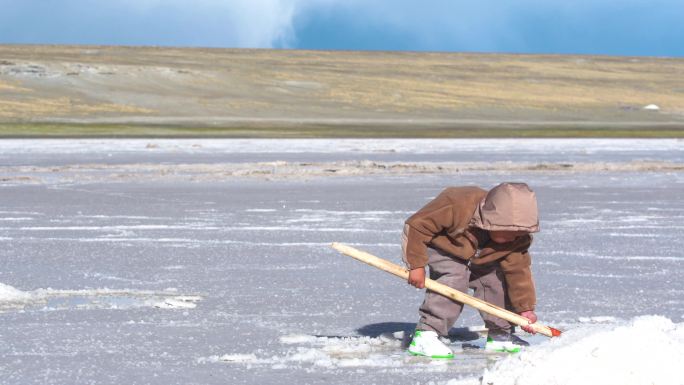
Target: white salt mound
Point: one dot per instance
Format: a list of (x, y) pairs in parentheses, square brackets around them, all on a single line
[(652, 107), (181, 302), (646, 350), (11, 294), (238, 358)]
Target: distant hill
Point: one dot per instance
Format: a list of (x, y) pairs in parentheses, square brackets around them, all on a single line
[(245, 92)]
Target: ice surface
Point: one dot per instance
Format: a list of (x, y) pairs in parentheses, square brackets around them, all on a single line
[(174, 279)]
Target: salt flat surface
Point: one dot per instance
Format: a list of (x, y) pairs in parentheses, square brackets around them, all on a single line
[(175, 280), (66, 151)]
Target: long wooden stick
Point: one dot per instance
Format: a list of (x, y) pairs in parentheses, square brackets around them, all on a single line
[(446, 290)]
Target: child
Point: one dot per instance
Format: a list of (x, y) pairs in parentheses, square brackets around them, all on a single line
[(471, 238)]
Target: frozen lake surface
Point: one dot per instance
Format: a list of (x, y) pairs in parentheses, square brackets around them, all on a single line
[(125, 262)]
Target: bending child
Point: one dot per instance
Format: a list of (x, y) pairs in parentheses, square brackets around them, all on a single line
[(471, 238)]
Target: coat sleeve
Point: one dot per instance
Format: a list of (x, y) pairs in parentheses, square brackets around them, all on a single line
[(518, 274), (419, 230)]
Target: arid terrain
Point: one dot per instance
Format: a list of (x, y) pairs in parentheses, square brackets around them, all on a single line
[(138, 91)]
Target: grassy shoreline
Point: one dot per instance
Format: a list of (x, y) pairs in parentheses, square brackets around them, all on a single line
[(48, 130)]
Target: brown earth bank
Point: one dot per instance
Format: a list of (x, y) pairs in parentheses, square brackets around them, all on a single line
[(44, 89)]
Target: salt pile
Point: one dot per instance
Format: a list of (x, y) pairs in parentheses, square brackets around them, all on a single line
[(11, 297), (646, 350), (9, 294)]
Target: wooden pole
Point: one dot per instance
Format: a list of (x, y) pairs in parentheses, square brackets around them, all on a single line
[(446, 290)]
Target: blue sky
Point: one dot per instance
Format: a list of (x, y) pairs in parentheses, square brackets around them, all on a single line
[(610, 27)]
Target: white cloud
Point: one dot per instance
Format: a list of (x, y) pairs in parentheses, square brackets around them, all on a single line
[(240, 23), (226, 23)]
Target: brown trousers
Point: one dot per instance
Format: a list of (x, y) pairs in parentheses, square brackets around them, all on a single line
[(439, 313)]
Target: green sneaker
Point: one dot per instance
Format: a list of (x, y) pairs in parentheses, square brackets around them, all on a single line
[(507, 344), (426, 343)]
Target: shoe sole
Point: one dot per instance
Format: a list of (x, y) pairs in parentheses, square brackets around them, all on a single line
[(503, 350), (451, 356)]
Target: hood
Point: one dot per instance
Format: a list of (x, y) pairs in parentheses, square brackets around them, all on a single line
[(508, 207)]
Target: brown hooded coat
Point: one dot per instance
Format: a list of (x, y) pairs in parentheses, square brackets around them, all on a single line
[(448, 221)]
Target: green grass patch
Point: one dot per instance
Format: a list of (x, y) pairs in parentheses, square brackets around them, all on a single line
[(326, 131)]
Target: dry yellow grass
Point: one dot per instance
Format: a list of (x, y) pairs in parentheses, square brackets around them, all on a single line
[(60, 107), (233, 87), (466, 81), (4, 86)]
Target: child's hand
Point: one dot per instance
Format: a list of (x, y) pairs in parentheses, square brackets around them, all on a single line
[(532, 317), (417, 277)]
